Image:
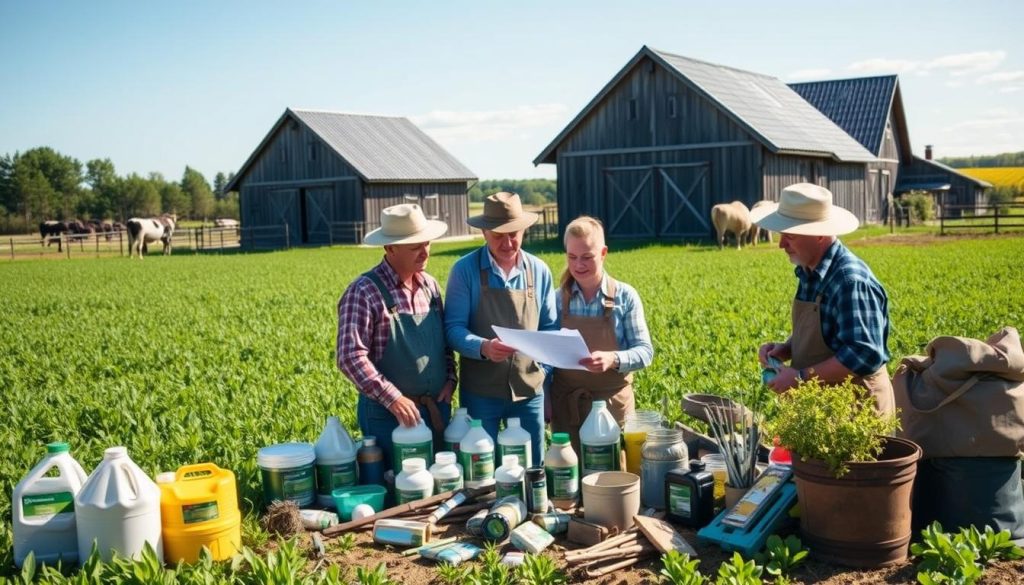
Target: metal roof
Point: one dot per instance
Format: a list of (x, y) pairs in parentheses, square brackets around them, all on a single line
[(859, 106), (379, 148), (940, 168), (921, 186), (765, 106)]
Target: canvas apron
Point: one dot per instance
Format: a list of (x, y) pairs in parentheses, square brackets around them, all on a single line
[(574, 391), (518, 377), (414, 356), (809, 348)]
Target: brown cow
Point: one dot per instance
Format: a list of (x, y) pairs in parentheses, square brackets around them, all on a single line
[(731, 218)]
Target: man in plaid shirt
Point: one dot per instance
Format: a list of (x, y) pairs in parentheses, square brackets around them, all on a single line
[(390, 340), (841, 312)]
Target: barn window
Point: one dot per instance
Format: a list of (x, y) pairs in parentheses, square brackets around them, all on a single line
[(634, 112), (432, 206), (671, 107)]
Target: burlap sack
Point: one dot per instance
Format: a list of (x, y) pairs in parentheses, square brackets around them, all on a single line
[(965, 398)]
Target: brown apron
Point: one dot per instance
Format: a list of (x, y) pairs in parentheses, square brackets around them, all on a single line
[(516, 378), (809, 348), (574, 391)]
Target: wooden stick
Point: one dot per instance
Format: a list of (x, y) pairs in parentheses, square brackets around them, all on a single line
[(616, 566), (416, 549), (402, 509), (612, 553), (627, 536)]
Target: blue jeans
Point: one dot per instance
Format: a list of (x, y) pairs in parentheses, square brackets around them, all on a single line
[(493, 410), (377, 421)]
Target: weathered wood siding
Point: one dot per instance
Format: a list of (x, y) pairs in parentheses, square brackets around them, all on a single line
[(961, 191), (845, 180), (450, 206), (295, 153)]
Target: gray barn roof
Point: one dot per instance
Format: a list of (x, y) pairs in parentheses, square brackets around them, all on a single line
[(859, 106), (768, 108), (906, 181), (379, 148)]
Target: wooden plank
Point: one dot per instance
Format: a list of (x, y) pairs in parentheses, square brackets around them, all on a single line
[(663, 536)]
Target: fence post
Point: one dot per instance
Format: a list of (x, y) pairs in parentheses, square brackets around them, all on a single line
[(120, 241), (222, 240), (97, 244), (996, 210), (12, 248), (67, 245)]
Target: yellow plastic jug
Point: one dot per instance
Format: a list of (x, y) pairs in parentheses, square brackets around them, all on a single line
[(200, 508)]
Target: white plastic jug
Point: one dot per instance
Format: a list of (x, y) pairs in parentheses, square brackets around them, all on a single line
[(477, 456), (409, 442), (456, 429), (599, 440), (515, 440), (335, 461), (118, 509), (44, 509)]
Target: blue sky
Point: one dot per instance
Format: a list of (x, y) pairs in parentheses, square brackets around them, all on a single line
[(156, 86)]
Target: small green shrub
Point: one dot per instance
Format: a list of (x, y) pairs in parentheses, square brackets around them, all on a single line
[(961, 558), (920, 204), (678, 569), (992, 545), (781, 557), (539, 570), (736, 571)]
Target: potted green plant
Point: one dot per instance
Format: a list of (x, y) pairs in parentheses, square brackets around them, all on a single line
[(854, 480)]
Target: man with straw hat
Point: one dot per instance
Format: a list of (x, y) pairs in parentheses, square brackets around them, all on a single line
[(500, 284), (840, 315), (391, 332)]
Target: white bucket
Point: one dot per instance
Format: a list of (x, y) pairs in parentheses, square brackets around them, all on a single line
[(287, 473), (118, 509), (611, 498)]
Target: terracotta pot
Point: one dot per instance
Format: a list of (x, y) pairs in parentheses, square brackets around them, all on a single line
[(862, 519)]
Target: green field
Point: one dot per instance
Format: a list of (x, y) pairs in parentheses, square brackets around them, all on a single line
[(186, 359)]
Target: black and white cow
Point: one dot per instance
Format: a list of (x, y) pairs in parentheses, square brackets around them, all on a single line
[(142, 231)]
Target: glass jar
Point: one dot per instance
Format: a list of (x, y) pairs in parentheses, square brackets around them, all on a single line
[(715, 463), (634, 432), (663, 451)]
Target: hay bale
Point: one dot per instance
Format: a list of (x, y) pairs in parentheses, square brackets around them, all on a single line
[(283, 519)]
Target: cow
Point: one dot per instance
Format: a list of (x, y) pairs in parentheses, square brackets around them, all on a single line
[(52, 230), (142, 231), (731, 218), (80, 230), (755, 231)]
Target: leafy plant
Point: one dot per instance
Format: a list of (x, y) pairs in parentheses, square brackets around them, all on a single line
[(539, 570), (836, 424), (678, 569), (736, 571), (451, 574), (493, 572), (945, 559), (781, 557), (377, 576), (991, 545), (343, 544)]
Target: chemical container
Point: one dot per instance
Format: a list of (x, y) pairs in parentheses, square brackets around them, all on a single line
[(477, 456), (715, 464), (287, 472), (561, 467), (690, 495), (347, 498), (414, 482), (510, 478), (446, 472), (335, 461), (634, 431), (200, 508), (599, 440), (456, 429), (536, 490), (370, 459), (663, 451), (409, 442), (44, 509), (515, 440), (611, 498), (118, 509), (504, 516)]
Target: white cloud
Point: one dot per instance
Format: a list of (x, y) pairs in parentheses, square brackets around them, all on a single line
[(954, 83), (809, 74), (1001, 77), (1011, 88), (883, 65), (967, 63), (996, 130), (454, 127)]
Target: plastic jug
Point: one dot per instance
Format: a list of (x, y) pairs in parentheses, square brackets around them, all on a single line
[(561, 468), (599, 441), (44, 509), (409, 442), (511, 478), (414, 482), (118, 509), (477, 456), (456, 429), (515, 440), (335, 461), (199, 507)]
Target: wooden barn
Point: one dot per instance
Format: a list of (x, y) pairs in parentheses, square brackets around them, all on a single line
[(669, 137), (323, 177), (954, 191)]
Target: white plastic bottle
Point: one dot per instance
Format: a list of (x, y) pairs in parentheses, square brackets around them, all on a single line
[(477, 456), (414, 482), (446, 472), (44, 509), (561, 468), (118, 509), (335, 461), (599, 440), (511, 478), (515, 440), (456, 429), (409, 442)]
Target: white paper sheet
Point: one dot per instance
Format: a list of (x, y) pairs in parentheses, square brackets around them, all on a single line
[(561, 349)]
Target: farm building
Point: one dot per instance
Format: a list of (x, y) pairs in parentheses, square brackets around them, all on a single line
[(323, 177), (870, 109)]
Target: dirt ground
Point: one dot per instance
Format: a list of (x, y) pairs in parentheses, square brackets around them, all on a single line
[(418, 571)]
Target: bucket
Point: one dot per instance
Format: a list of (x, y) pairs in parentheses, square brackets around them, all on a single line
[(200, 508), (287, 472), (862, 519), (611, 498)]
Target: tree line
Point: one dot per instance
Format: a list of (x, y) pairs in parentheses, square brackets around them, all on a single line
[(532, 191), (43, 184), (1005, 159)]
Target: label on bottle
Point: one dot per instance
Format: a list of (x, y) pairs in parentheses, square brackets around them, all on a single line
[(404, 496), (403, 451), (517, 450), (329, 477), (510, 488), (453, 447), (447, 485), (563, 482), (40, 505), (298, 484), (537, 496), (600, 458), (679, 500), (192, 513), (477, 466)]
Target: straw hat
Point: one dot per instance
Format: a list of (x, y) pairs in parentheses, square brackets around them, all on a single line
[(404, 224), (503, 213), (805, 209)]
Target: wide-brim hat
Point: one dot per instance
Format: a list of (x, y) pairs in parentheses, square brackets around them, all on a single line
[(805, 209), (503, 213), (404, 224)]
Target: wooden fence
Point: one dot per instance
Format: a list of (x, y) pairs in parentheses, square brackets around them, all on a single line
[(1003, 217), (98, 244)]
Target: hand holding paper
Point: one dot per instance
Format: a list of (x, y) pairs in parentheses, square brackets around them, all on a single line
[(561, 349)]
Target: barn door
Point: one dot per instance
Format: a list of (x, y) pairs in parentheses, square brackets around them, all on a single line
[(284, 210), (629, 201), (319, 211), (684, 200)]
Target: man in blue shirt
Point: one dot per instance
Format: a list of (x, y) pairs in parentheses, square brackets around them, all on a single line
[(500, 284), (840, 312)]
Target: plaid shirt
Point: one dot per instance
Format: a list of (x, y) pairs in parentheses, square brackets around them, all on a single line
[(854, 309), (635, 349), (364, 326)]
